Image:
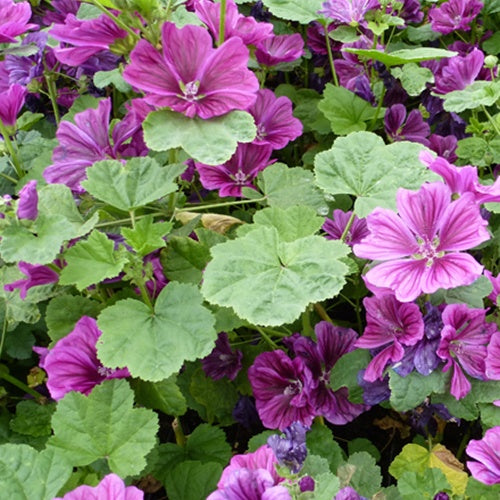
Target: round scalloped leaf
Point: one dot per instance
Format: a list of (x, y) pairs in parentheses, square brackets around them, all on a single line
[(303, 11), (403, 56)]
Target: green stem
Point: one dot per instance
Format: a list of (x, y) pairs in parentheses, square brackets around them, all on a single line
[(118, 22), (132, 218), (180, 438), (307, 329), (347, 227), (193, 208), (322, 313), (490, 118), (266, 337), (51, 87), (8, 177), (4, 333), (20, 385), (145, 294), (222, 22), (12, 152), (122, 221), (377, 111), (330, 57)]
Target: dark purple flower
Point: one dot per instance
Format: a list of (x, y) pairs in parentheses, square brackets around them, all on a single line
[(282, 389), (14, 17), (279, 49), (441, 496), (374, 392), (487, 468), (239, 171), (222, 361), (306, 483), (316, 40), (410, 11), (245, 413), (350, 12), (336, 226), (36, 275), (423, 418), (444, 146), (27, 204), (276, 125), (158, 280), (454, 15), (72, 364), (62, 9), (190, 76), (400, 127), (290, 449), (464, 338), (12, 101)]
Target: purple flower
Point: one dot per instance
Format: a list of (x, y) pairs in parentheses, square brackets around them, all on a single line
[(348, 11), (374, 392), (389, 324), (27, 205), (410, 11), (276, 125), (62, 9), (306, 483), (495, 282), (348, 493), (14, 17), (279, 49), (158, 280), (222, 361), (245, 413), (12, 101), (36, 275), (464, 338), (335, 227), (72, 364), (239, 171), (487, 469), (444, 146), (400, 127), (190, 76), (235, 24), (111, 487), (87, 141), (290, 449), (282, 389), (422, 246), (454, 15), (492, 362), (423, 420), (88, 37)]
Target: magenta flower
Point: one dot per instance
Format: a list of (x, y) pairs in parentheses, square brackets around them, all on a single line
[(190, 76), (72, 364), (422, 246), (348, 11), (222, 361), (464, 338), (27, 204), (276, 125), (444, 146), (279, 49), (36, 275), (111, 487), (282, 388), (454, 15), (400, 127), (12, 101), (14, 17), (495, 282), (487, 469), (389, 324), (240, 170), (235, 24), (335, 227), (493, 358), (87, 141), (88, 37)]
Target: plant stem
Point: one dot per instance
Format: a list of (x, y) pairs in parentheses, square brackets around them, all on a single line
[(20, 385), (118, 22), (4, 333), (193, 208), (12, 152), (145, 294), (347, 227), (330, 57), (180, 438), (51, 87), (322, 313), (222, 22), (490, 118), (266, 337), (132, 218)]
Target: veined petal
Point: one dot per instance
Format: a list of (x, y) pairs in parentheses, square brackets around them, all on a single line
[(389, 238), (493, 358), (94, 123), (460, 386), (376, 366), (422, 210)]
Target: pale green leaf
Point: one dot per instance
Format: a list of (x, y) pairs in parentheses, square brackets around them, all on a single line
[(413, 78), (154, 345), (91, 261), (361, 473), (477, 94), (104, 425), (147, 236), (320, 442), (424, 485), (127, 187), (303, 11), (403, 56), (113, 77), (212, 142), (270, 282)]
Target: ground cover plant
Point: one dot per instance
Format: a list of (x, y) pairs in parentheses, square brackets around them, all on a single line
[(250, 249)]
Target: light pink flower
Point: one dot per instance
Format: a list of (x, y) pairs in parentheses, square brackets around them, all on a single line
[(111, 487), (279, 49), (486, 451), (14, 17)]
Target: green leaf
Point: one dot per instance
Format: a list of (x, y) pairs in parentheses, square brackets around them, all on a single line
[(398, 57), (413, 78), (490, 415), (413, 458), (326, 485), (303, 11), (191, 480), (362, 165), (320, 442), (64, 311), (346, 111), (270, 282), (345, 373), (410, 391), (361, 473), (147, 236), (91, 261), (285, 187), (363, 444), (164, 396), (114, 77), (212, 142), (492, 45), (154, 345), (104, 425), (471, 295), (33, 419), (425, 485), (476, 94), (480, 491), (127, 187), (83, 102), (208, 444), (28, 474), (306, 110)]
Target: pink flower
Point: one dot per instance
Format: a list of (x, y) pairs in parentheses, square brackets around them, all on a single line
[(14, 17), (421, 248), (487, 469), (464, 338), (36, 275), (493, 357), (190, 76), (72, 364), (27, 205), (279, 49), (12, 101), (111, 487), (495, 282), (348, 11), (454, 15), (400, 127)]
